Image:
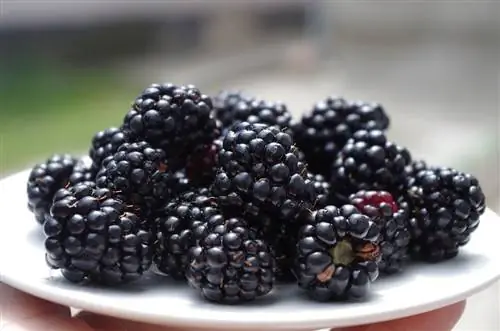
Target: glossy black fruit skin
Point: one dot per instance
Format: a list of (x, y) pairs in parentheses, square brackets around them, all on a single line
[(173, 118), (325, 130), (93, 237), (105, 143), (230, 265), (446, 205), (180, 225), (233, 107), (140, 175), (393, 219), (318, 273), (44, 180), (369, 161), (260, 172)]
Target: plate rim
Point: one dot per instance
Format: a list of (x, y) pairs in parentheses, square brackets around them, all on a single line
[(43, 291)]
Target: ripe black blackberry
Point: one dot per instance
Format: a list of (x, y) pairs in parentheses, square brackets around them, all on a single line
[(44, 180), (337, 254), (392, 217), (173, 118), (369, 161), (260, 171), (446, 205), (202, 165), (232, 108), (180, 224), (140, 175), (105, 143), (230, 265), (92, 236), (323, 132)]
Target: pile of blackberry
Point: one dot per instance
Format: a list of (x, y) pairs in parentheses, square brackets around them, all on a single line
[(231, 196)]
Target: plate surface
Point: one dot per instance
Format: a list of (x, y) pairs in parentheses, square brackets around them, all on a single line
[(159, 300)]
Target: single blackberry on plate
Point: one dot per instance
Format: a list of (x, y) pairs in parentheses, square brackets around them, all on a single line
[(139, 174), (230, 264), (260, 171), (446, 205), (232, 108), (105, 143), (337, 254), (44, 180), (369, 161), (392, 217), (180, 224), (92, 236), (202, 165), (324, 131), (173, 118)]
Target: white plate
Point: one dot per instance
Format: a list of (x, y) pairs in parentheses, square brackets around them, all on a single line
[(159, 300)]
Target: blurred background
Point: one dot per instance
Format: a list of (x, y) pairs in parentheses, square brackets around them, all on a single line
[(71, 68)]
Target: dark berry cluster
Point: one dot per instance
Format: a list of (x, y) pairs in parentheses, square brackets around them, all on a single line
[(173, 118), (229, 196), (324, 131), (337, 254), (93, 236), (446, 205), (369, 161)]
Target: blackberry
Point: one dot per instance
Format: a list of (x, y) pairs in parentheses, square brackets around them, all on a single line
[(323, 132), (139, 173), (232, 108), (369, 161), (337, 254), (230, 265), (174, 118), (92, 236), (180, 224), (105, 143), (392, 218), (201, 165), (260, 171), (44, 180), (446, 206)]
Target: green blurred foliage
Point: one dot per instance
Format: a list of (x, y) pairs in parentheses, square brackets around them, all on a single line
[(48, 108)]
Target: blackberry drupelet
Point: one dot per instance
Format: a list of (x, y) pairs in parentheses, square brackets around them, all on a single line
[(446, 205), (230, 265), (369, 161), (202, 165), (174, 118), (180, 224), (44, 181), (232, 108), (105, 143), (260, 172), (392, 218), (337, 254), (92, 236), (140, 175), (323, 132)]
